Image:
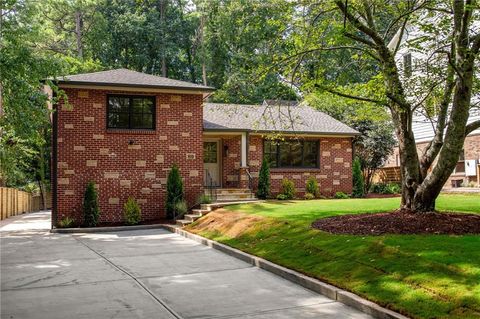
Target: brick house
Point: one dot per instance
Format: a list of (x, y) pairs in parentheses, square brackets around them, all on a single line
[(124, 130)]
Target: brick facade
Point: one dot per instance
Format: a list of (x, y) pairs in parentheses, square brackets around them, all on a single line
[(334, 174), (127, 163)]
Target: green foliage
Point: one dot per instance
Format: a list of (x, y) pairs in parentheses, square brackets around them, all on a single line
[(91, 211), (66, 222), (311, 186), (174, 190), (341, 195), (386, 188), (181, 207), (132, 212), (358, 184), (263, 189), (282, 197), (308, 196), (204, 199), (288, 189)]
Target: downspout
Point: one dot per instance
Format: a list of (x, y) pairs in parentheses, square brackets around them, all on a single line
[(54, 168)]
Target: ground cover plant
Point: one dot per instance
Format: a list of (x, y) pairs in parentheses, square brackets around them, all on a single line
[(422, 276)]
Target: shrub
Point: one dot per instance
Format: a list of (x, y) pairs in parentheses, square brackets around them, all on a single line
[(282, 197), (288, 188), (358, 182), (90, 206), (382, 188), (311, 186), (341, 195), (132, 212), (181, 208), (174, 190), (263, 189), (204, 199), (393, 188), (309, 196), (66, 222)]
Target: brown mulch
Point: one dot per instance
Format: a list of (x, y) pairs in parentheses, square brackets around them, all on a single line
[(401, 222)]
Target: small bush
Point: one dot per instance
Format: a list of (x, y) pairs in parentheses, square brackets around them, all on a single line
[(282, 197), (132, 212), (309, 196), (288, 189), (312, 186), (181, 208), (91, 211), (263, 189), (382, 188), (174, 190), (358, 182), (66, 222), (204, 199), (341, 195)]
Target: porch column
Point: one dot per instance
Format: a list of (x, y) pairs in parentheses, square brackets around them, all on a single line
[(243, 158)]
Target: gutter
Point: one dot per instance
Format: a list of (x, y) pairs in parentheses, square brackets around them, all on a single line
[(237, 130), (146, 86), (54, 168)]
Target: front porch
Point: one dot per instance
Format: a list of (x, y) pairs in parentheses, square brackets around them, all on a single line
[(226, 172)]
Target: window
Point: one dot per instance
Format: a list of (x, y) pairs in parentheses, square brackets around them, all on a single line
[(291, 153), (210, 152), (460, 168), (131, 112)]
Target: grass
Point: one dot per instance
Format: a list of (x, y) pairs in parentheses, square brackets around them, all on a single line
[(422, 276)]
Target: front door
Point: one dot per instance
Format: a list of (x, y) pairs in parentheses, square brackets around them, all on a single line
[(211, 163)]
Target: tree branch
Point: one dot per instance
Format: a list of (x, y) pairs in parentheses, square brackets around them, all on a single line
[(349, 96), (472, 127)]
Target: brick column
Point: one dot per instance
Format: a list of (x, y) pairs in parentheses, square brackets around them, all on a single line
[(243, 177)]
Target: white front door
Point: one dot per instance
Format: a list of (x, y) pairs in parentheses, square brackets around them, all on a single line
[(211, 162)]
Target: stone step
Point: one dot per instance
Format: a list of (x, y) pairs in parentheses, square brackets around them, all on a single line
[(235, 201), (201, 212), (192, 217), (228, 191), (206, 207), (233, 197), (183, 222)]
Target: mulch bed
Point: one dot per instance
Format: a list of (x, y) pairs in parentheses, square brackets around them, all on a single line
[(401, 222)]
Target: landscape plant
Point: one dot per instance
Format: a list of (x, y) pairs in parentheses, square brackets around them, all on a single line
[(288, 189), (132, 212), (174, 191), (358, 183), (66, 222), (91, 210), (341, 195), (263, 189), (204, 199), (311, 186), (181, 208)]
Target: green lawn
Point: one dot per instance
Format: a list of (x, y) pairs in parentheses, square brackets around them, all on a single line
[(423, 276)]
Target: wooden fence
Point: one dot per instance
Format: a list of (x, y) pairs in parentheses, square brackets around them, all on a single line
[(15, 202), (387, 175)]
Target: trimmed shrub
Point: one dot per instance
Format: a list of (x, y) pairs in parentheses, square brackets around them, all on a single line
[(91, 211), (282, 197), (132, 212), (311, 186), (66, 222), (288, 189), (341, 195), (358, 182), (204, 199), (263, 189), (181, 208), (309, 196), (174, 190), (382, 188)]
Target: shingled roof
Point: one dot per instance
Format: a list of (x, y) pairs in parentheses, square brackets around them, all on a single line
[(299, 119), (129, 78)]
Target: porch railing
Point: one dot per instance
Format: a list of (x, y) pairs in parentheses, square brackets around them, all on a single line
[(210, 186), (250, 179)]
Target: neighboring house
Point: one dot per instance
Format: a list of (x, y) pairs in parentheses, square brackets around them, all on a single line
[(467, 169), (124, 130)]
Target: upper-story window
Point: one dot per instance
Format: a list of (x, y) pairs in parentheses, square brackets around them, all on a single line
[(291, 154), (131, 112)]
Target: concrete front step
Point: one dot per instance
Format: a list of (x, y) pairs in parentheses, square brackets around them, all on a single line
[(183, 222), (192, 217), (228, 191), (234, 197)]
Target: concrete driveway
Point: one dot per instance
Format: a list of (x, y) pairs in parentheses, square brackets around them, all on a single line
[(139, 274)]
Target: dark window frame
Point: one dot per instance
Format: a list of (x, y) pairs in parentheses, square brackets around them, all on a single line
[(302, 166), (131, 113)]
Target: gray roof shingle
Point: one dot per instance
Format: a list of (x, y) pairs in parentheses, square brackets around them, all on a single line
[(129, 78), (300, 119)]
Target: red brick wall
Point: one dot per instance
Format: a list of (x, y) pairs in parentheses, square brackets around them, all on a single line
[(88, 151), (334, 174), (231, 161)]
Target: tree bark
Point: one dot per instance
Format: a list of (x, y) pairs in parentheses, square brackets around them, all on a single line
[(78, 32)]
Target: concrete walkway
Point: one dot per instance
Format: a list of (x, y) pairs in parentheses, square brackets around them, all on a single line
[(139, 274)]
